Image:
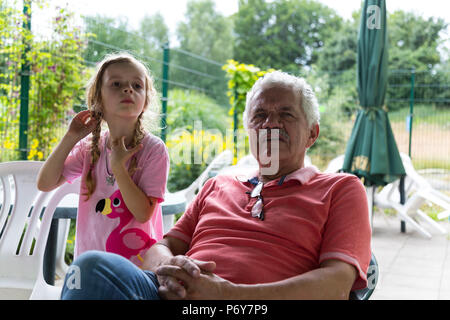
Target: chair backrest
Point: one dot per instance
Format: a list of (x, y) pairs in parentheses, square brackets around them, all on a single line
[(372, 280), (411, 173), (24, 225)]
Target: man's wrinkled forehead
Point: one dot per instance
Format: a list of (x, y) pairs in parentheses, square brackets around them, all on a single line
[(258, 97)]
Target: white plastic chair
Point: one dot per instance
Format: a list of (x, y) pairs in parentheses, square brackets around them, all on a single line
[(224, 159), (418, 191), (335, 165), (24, 230)]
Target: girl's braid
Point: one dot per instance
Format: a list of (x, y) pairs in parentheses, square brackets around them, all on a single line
[(95, 154), (138, 136)]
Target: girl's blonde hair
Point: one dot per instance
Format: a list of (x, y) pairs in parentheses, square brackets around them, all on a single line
[(94, 103)]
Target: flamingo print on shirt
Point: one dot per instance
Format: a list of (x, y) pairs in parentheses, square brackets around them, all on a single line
[(126, 242)]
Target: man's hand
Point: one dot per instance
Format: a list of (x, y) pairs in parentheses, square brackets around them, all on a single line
[(177, 278)]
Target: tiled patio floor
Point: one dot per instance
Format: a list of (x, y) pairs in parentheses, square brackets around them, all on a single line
[(411, 266)]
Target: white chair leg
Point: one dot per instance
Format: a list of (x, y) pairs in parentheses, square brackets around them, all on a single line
[(413, 223), (369, 193), (430, 221), (63, 232)]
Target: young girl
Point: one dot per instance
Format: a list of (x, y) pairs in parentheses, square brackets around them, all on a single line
[(124, 170)]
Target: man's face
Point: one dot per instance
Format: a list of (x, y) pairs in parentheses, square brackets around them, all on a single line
[(277, 107)]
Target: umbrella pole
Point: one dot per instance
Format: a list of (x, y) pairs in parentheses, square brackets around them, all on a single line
[(370, 192), (401, 189)]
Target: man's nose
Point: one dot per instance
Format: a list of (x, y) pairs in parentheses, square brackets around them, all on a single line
[(272, 121)]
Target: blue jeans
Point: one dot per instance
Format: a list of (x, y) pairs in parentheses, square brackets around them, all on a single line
[(97, 275)]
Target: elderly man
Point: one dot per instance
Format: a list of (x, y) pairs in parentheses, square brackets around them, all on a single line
[(284, 232)]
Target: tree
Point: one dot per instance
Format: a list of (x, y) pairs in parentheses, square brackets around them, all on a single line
[(414, 41), (114, 34), (206, 32), (154, 33), (107, 35), (207, 36), (282, 34), (339, 54)]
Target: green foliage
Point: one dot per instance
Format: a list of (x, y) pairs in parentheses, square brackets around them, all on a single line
[(339, 53), (241, 79), (106, 35), (12, 38), (285, 34), (193, 145), (109, 35), (56, 80), (332, 101), (59, 75), (206, 32), (205, 43), (414, 40), (184, 107)]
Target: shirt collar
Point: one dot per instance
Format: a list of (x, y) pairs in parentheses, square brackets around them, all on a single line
[(302, 175)]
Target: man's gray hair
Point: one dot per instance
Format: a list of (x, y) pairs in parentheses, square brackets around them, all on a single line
[(308, 100)]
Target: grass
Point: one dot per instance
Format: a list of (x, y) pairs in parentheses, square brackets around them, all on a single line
[(70, 244), (428, 114)]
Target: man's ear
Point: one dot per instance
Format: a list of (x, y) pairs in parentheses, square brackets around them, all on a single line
[(313, 135)]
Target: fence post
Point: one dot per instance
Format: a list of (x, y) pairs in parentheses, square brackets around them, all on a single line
[(165, 89), (411, 109), (24, 85), (235, 124)]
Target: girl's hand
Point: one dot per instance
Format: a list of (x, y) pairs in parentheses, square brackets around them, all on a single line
[(81, 125), (120, 154)]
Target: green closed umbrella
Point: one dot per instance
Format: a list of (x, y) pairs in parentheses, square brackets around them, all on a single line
[(372, 152)]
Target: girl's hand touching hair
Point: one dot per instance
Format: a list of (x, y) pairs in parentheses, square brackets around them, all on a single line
[(81, 125)]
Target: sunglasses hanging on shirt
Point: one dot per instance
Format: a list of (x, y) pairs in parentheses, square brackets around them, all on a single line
[(258, 207)]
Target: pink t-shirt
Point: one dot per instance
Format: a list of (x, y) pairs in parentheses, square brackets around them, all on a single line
[(104, 222), (309, 217)]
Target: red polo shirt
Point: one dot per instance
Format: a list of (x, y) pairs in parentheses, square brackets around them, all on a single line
[(309, 217)]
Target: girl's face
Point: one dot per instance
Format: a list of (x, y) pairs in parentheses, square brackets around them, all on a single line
[(123, 91)]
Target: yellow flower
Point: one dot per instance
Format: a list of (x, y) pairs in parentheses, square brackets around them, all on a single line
[(34, 143), (8, 144), (32, 154)]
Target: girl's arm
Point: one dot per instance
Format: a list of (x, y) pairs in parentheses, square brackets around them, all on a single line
[(139, 204), (50, 175)]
